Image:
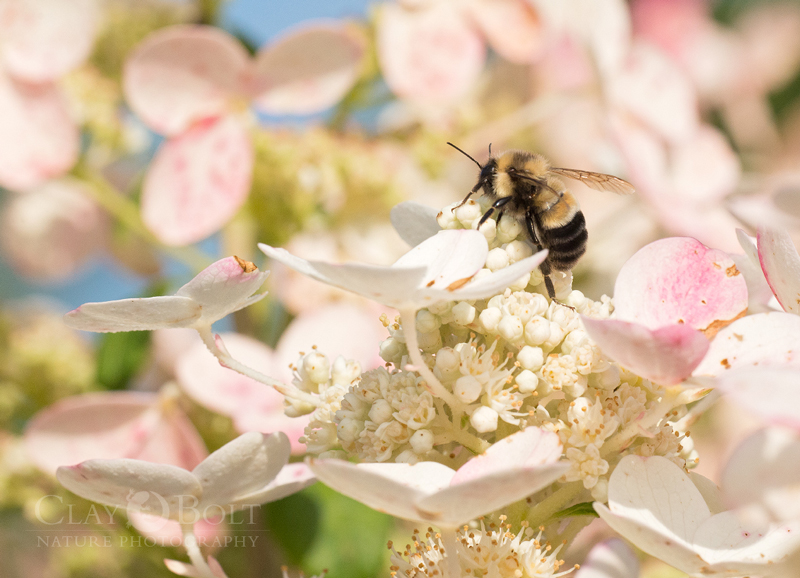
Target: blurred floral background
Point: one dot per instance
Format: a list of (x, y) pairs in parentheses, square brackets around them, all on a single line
[(142, 140)]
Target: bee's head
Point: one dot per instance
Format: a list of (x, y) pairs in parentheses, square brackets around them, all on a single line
[(487, 174)]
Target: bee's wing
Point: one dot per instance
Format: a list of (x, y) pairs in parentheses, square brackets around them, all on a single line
[(597, 181)]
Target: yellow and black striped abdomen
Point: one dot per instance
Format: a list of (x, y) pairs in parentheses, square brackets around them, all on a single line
[(563, 230)]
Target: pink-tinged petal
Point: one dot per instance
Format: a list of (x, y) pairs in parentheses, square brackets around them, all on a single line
[(390, 488), (653, 504), (339, 329), (667, 355), (168, 532), (50, 232), (731, 547), (223, 287), (431, 55), (763, 473), (705, 168), (235, 474), (224, 390), (657, 92), (764, 339), (265, 417), (183, 74), (680, 281), (112, 425), (430, 272), (135, 485), (310, 69), (781, 265), (38, 138), (512, 27), (759, 292), (528, 449), (773, 393), (197, 181), (487, 493), (611, 558), (290, 480), (44, 39), (414, 222), (142, 314), (184, 569)]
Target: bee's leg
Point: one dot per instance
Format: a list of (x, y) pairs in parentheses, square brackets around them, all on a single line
[(469, 194), (530, 224), (498, 204)]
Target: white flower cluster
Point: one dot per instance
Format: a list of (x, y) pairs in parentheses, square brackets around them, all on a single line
[(492, 553), (510, 361)]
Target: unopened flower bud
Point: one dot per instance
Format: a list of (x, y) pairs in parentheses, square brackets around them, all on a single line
[(467, 388), (392, 350), (317, 367), (463, 313), (510, 327), (508, 229), (490, 318), (517, 250), (521, 283), (381, 411), (422, 441), (407, 457), (447, 362), (427, 321), (484, 419), (497, 259), (527, 381), (537, 331), (489, 229), (531, 358), (468, 212)]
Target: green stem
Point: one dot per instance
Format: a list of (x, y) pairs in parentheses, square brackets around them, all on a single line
[(126, 213), (558, 500)]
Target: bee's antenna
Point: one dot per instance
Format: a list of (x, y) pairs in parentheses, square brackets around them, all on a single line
[(480, 166)]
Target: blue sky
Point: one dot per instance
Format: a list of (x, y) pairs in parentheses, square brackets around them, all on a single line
[(260, 20)]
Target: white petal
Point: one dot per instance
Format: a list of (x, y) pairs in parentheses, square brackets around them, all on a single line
[(772, 393), (291, 479), (450, 257), (763, 473), (157, 489), (755, 340), (730, 547), (223, 287), (499, 280), (236, 473), (481, 495), (658, 494), (611, 558), (781, 265), (414, 222), (391, 488), (135, 314)]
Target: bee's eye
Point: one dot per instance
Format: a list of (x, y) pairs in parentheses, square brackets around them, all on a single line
[(512, 170)]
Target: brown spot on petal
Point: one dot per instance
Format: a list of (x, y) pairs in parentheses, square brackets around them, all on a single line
[(725, 363), (716, 265), (247, 266), (431, 282), (732, 271), (714, 328), (458, 284), (738, 337)]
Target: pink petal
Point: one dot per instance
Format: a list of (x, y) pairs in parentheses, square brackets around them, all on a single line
[(758, 290), (198, 181), (168, 532), (44, 39), (38, 138), (338, 329), (764, 339), (781, 265), (135, 485), (772, 393), (529, 448), (265, 417), (291, 479), (655, 90), (50, 231), (310, 69), (141, 314), (223, 287), (183, 74), (705, 168), (512, 27), (667, 355), (238, 473), (224, 390), (112, 425), (431, 55), (680, 281)]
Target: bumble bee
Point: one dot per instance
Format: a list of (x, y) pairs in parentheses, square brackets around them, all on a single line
[(524, 185)]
